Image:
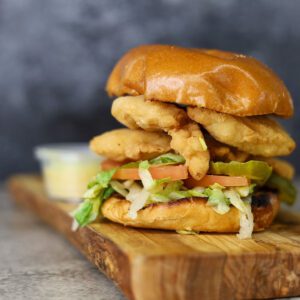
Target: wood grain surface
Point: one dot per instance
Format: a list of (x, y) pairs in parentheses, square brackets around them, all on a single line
[(150, 264)]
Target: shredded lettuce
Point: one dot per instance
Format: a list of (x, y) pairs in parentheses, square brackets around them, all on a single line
[(197, 192), (98, 191), (245, 191), (176, 195), (107, 192), (167, 159), (202, 143), (88, 210), (173, 186), (133, 164), (174, 191), (150, 184), (217, 200), (221, 198), (104, 177), (134, 190), (119, 187), (145, 175), (246, 216), (83, 213), (92, 192), (138, 198), (164, 159), (148, 190), (158, 198), (246, 222), (128, 183), (235, 199)]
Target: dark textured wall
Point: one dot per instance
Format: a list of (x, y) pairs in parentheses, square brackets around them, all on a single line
[(55, 56)]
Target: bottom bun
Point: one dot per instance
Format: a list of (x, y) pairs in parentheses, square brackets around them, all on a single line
[(192, 214)]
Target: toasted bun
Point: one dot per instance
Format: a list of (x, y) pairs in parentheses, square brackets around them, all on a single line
[(218, 80), (191, 214)]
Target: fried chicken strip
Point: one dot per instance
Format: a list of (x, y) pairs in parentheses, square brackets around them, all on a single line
[(135, 112), (255, 135), (187, 138), (126, 144), (189, 142)]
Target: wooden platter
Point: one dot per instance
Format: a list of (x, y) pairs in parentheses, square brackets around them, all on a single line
[(154, 265)]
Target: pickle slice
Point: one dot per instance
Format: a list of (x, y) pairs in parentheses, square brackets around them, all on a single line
[(286, 190), (255, 170)]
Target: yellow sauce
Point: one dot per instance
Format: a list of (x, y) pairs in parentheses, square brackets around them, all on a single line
[(67, 169), (65, 180)]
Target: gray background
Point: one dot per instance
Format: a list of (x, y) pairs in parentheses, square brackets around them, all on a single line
[(55, 56)]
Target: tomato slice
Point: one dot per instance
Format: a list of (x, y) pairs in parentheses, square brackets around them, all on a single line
[(109, 164), (208, 180), (178, 172), (173, 172)]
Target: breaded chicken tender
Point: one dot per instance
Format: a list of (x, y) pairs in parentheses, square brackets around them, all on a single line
[(189, 142), (126, 144), (255, 135), (221, 152), (135, 112), (187, 138)]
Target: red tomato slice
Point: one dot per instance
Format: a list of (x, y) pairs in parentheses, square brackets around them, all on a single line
[(173, 172), (208, 180), (178, 172), (109, 164)]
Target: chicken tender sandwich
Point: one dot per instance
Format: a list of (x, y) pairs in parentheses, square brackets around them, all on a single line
[(201, 147)]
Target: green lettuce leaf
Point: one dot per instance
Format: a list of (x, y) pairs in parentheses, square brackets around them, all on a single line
[(145, 175), (134, 164), (164, 159), (119, 187), (233, 196), (108, 192), (98, 190), (158, 198), (217, 200), (83, 212), (167, 159), (104, 177)]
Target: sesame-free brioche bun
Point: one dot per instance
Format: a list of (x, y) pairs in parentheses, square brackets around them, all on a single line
[(218, 80), (191, 214)]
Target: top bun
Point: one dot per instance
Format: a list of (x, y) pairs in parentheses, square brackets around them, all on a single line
[(218, 80)]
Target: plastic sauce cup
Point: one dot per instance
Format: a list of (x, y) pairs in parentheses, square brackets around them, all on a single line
[(67, 169)]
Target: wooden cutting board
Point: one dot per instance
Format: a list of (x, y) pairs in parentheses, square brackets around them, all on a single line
[(154, 265)]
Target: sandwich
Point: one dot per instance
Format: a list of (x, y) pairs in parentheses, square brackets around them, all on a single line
[(200, 147)]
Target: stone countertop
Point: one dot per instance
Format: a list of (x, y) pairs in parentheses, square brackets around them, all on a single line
[(37, 263)]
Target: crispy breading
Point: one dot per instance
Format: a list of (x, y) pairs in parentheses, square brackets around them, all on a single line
[(135, 112), (189, 142), (255, 135), (280, 166), (221, 152), (126, 144), (187, 138)]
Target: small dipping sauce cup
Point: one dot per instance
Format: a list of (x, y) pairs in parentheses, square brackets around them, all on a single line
[(67, 169)]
